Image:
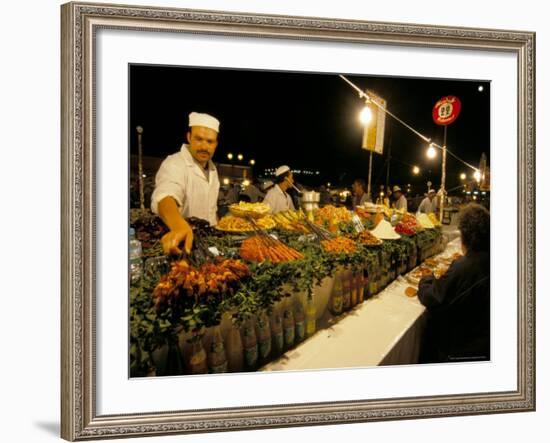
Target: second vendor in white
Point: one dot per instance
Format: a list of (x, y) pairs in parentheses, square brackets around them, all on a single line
[(429, 204), (277, 197)]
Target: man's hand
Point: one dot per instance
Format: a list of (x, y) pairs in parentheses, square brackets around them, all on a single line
[(180, 231), (172, 240)]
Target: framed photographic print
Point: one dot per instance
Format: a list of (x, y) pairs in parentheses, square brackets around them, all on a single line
[(282, 221)]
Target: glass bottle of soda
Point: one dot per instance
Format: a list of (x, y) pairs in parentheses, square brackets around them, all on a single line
[(299, 321), (277, 332), (288, 326), (337, 296), (174, 359), (217, 360), (250, 345), (354, 282), (346, 291), (263, 335), (197, 363), (311, 317), (234, 350), (361, 286), (372, 275)]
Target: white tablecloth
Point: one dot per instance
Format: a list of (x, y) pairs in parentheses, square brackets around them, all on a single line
[(384, 330)]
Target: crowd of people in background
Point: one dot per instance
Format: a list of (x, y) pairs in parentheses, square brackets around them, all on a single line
[(394, 196)]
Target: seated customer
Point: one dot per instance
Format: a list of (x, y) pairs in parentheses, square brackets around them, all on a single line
[(458, 302)]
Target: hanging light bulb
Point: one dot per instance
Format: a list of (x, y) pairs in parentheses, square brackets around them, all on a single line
[(416, 170), (431, 152), (365, 115)]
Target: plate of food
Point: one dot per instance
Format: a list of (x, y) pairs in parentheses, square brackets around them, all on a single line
[(231, 223), (371, 208), (368, 239), (384, 231), (245, 209), (431, 263), (448, 260), (416, 275), (440, 271)]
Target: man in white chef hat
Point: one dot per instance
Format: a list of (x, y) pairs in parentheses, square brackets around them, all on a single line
[(429, 204), (277, 197), (187, 184)]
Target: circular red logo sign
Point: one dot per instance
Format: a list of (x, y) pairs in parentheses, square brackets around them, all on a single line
[(446, 110)]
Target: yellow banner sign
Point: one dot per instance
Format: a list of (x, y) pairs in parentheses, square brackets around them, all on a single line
[(373, 132)]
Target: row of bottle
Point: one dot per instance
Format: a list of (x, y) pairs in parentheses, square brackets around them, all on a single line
[(263, 338), (386, 268), (349, 289), (258, 341)]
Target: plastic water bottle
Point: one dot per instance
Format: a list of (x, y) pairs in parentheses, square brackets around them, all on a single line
[(136, 265)]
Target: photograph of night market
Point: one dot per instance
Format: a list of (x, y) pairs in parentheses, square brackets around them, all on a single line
[(298, 221)]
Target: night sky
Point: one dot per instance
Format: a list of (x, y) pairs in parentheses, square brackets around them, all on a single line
[(309, 121)]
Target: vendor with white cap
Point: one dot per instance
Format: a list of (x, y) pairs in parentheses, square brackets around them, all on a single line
[(277, 197), (429, 204), (187, 184), (400, 200)]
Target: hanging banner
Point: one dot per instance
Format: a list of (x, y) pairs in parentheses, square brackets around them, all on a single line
[(373, 133), (446, 110)]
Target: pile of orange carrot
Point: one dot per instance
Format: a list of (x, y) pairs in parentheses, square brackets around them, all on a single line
[(260, 249)]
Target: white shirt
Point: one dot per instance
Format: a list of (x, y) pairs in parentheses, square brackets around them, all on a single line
[(427, 206), (278, 200), (183, 179), (401, 203)]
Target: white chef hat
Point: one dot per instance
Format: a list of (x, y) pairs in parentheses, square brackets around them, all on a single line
[(396, 188), (206, 120), (431, 191), (268, 184), (281, 170)]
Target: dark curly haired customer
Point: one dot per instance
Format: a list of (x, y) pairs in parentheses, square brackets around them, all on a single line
[(458, 302)]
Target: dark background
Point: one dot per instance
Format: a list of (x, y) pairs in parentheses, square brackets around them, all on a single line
[(310, 121)]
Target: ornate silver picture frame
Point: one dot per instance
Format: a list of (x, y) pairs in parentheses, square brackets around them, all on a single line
[(80, 23)]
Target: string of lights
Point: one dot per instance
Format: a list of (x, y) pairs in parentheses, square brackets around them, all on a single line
[(416, 171), (369, 99)]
